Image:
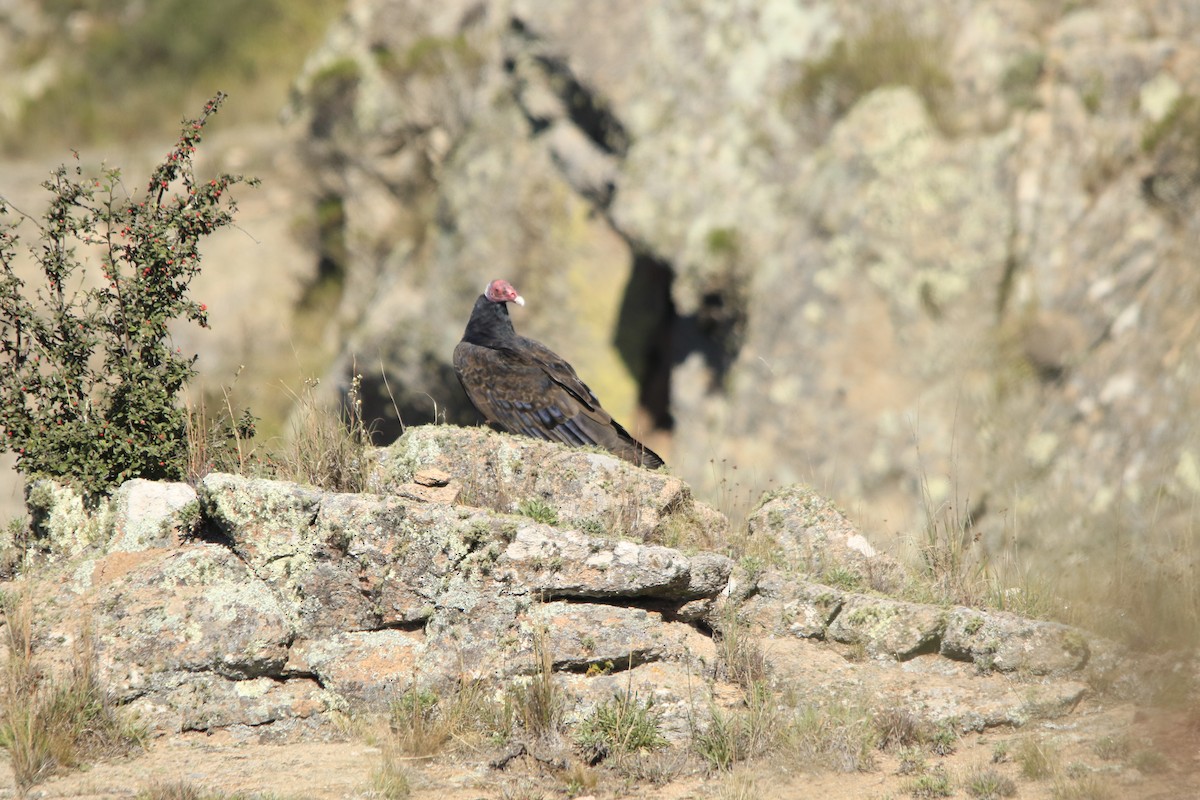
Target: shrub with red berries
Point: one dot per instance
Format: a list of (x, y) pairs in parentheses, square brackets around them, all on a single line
[(89, 378)]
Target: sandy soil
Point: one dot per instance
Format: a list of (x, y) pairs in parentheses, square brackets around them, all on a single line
[(232, 763)]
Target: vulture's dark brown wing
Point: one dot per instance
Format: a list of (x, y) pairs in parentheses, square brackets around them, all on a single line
[(530, 390)]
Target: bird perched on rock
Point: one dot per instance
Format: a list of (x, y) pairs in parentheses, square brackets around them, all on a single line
[(523, 387)]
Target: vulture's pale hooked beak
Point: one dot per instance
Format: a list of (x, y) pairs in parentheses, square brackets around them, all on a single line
[(519, 300)]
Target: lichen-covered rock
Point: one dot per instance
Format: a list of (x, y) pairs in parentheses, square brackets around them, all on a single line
[(162, 613), (372, 668), (62, 522), (782, 605), (1008, 643), (595, 492), (888, 628), (816, 538), (568, 564), (205, 702), (153, 514), (267, 521), (290, 601), (583, 636), (350, 562)]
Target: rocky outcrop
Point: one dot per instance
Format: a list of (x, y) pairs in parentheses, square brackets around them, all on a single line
[(959, 279), (253, 602)]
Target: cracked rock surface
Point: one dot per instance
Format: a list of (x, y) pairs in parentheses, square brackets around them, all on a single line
[(248, 602)]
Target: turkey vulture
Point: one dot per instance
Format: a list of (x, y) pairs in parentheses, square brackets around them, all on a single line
[(522, 387)]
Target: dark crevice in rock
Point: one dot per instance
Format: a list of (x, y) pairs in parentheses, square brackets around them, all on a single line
[(669, 609), (832, 616), (701, 626), (405, 625), (716, 331), (589, 112), (607, 666), (583, 106), (298, 674), (210, 532), (323, 294), (645, 335), (246, 672), (931, 647)]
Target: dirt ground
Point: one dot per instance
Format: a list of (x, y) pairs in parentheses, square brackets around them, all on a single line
[(230, 763)]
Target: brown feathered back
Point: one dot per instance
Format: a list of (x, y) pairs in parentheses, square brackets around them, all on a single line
[(523, 387)]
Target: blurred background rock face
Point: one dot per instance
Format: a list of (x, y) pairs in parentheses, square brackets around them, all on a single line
[(931, 258)]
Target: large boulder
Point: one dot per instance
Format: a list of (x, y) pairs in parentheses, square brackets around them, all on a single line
[(255, 602)]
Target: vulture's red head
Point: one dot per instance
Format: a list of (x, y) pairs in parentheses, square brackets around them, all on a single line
[(501, 291)]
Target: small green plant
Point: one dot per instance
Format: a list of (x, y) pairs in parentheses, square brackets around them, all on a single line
[(943, 740), (911, 761), (722, 241), (842, 578), (1149, 761), (934, 783), (719, 742), (989, 784), (15, 538), (538, 510), (1020, 81), (90, 378), (1176, 130), (620, 725)]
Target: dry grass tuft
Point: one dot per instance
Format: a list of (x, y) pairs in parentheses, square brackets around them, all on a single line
[(741, 659), (52, 722), (223, 443), (888, 51), (897, 728), (389, 778), (1038, 758), (539, 704), (1091, 787), (838, 739), (328, 448), (986, 783)]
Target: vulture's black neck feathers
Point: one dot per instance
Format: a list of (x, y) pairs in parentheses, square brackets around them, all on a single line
[(489, 325)]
